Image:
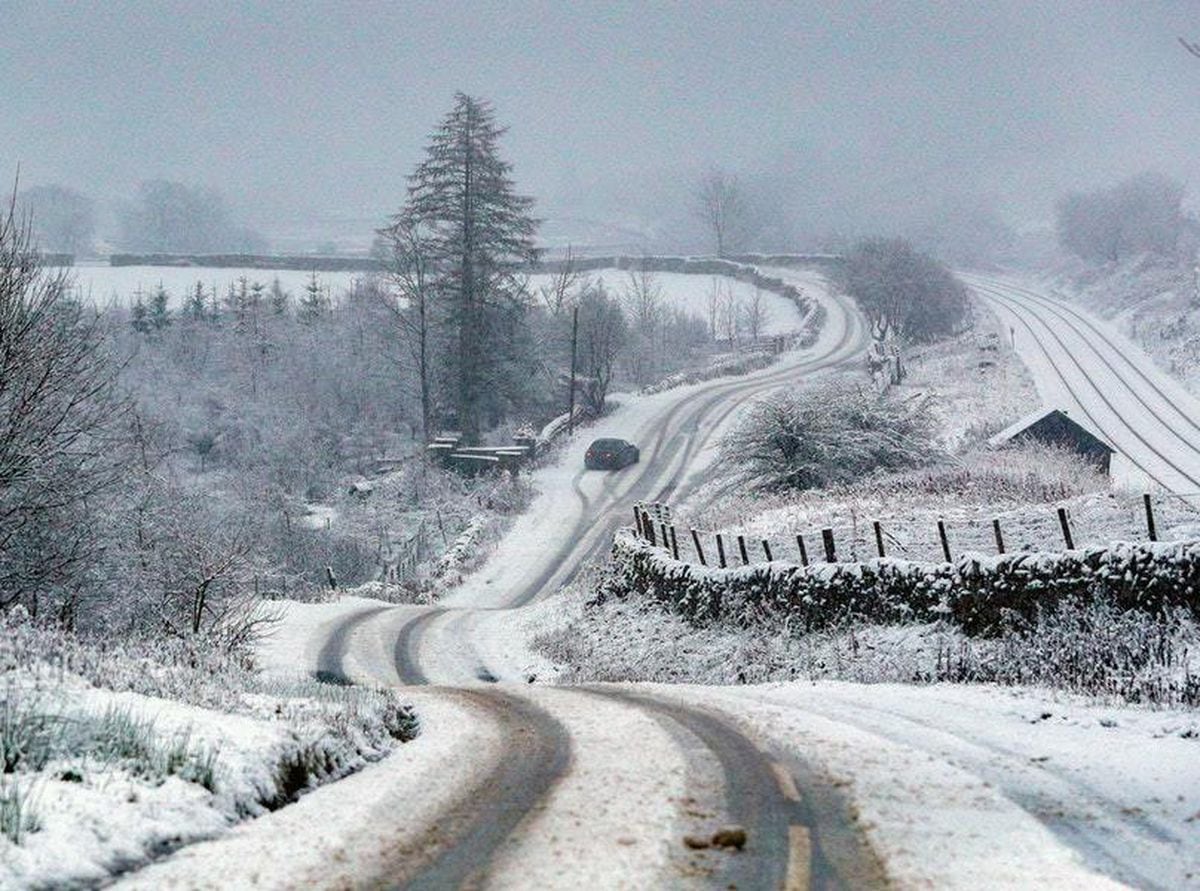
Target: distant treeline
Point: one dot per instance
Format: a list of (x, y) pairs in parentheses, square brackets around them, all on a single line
[(733, 266), (251, 261)]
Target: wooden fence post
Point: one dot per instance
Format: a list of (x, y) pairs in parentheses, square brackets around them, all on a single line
[(945, 540), (637, 521), (999, 536), (674, 543), (720, 550), (742, 550), (1066, 528), (699, 550), (803, 550), (879, 538), (830, 551), (1150, 517), (767, 550), (665, 538), (650, 532)]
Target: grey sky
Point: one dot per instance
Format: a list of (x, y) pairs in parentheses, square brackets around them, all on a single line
[(299, 111)]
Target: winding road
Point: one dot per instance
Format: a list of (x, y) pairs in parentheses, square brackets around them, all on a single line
[(731, 781), (834, 785)]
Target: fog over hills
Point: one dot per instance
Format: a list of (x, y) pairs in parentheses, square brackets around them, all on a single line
[(308, 116)]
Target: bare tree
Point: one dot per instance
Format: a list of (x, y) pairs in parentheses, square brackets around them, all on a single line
[(714, 305), (565, 285), (603, 333), (721, 207), (728, 317), (64, 220), (902, 292), (642, 299), (754, 315), (1142, 214), (59, 413), (407, 261)]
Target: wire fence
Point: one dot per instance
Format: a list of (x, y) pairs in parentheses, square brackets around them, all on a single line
[(1053, 530)]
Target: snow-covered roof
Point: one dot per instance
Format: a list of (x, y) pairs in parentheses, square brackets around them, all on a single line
[(1017, 427)]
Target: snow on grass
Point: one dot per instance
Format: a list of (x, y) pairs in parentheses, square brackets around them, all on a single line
[(118, 755), (975, 383), (1021, 487), (373, 825)]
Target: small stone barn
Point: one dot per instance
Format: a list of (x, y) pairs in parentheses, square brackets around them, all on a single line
[(1054, 427)]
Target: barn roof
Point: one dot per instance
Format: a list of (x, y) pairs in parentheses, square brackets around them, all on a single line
[(1009, 433)]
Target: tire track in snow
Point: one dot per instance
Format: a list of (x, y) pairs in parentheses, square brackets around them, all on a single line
[(797, 837), (458, 849), (1101, 846), (330, 666), (408, 646)]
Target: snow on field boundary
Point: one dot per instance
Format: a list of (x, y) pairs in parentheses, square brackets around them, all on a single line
[(974, 591)]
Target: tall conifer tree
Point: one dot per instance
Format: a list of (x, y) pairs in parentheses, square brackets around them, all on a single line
[(480, 240)]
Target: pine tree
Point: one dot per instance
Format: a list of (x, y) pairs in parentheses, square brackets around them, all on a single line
[(313, 304), (280, 299), (481, 239), (160, 312), (214, 307), (195, 307), (254, 304), (139, 318)]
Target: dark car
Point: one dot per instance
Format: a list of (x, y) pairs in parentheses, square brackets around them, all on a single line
[(610, 454)]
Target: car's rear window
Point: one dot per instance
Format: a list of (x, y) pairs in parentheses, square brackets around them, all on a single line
[(607, 444)]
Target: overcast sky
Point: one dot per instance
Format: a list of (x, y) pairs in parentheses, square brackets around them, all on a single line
[(299, 111)]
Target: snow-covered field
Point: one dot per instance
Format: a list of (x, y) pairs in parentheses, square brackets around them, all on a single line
[(118, 284), (689, 293)]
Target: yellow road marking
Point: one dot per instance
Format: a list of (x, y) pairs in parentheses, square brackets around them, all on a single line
[(799, 871), (787, 785)]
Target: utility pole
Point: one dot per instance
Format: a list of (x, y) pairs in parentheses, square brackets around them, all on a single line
[(574, 349)]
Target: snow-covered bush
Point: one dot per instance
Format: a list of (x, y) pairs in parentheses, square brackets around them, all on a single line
[(1089, 646), (832, 433), (1029, 473)]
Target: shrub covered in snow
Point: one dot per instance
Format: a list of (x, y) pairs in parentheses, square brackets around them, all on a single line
[(1088, 646), (832, 433)]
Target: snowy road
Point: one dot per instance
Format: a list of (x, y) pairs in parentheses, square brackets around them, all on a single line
[(1107, 383), (519, 785)]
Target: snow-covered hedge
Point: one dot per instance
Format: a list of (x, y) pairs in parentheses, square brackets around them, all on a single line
[(974, 591), (724, 366), (743, 268)]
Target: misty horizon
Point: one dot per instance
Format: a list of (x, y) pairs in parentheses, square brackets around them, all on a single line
[(308, 118)]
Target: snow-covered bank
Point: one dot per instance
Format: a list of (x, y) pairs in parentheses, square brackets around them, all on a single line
[(115, 758), (343, 834)]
